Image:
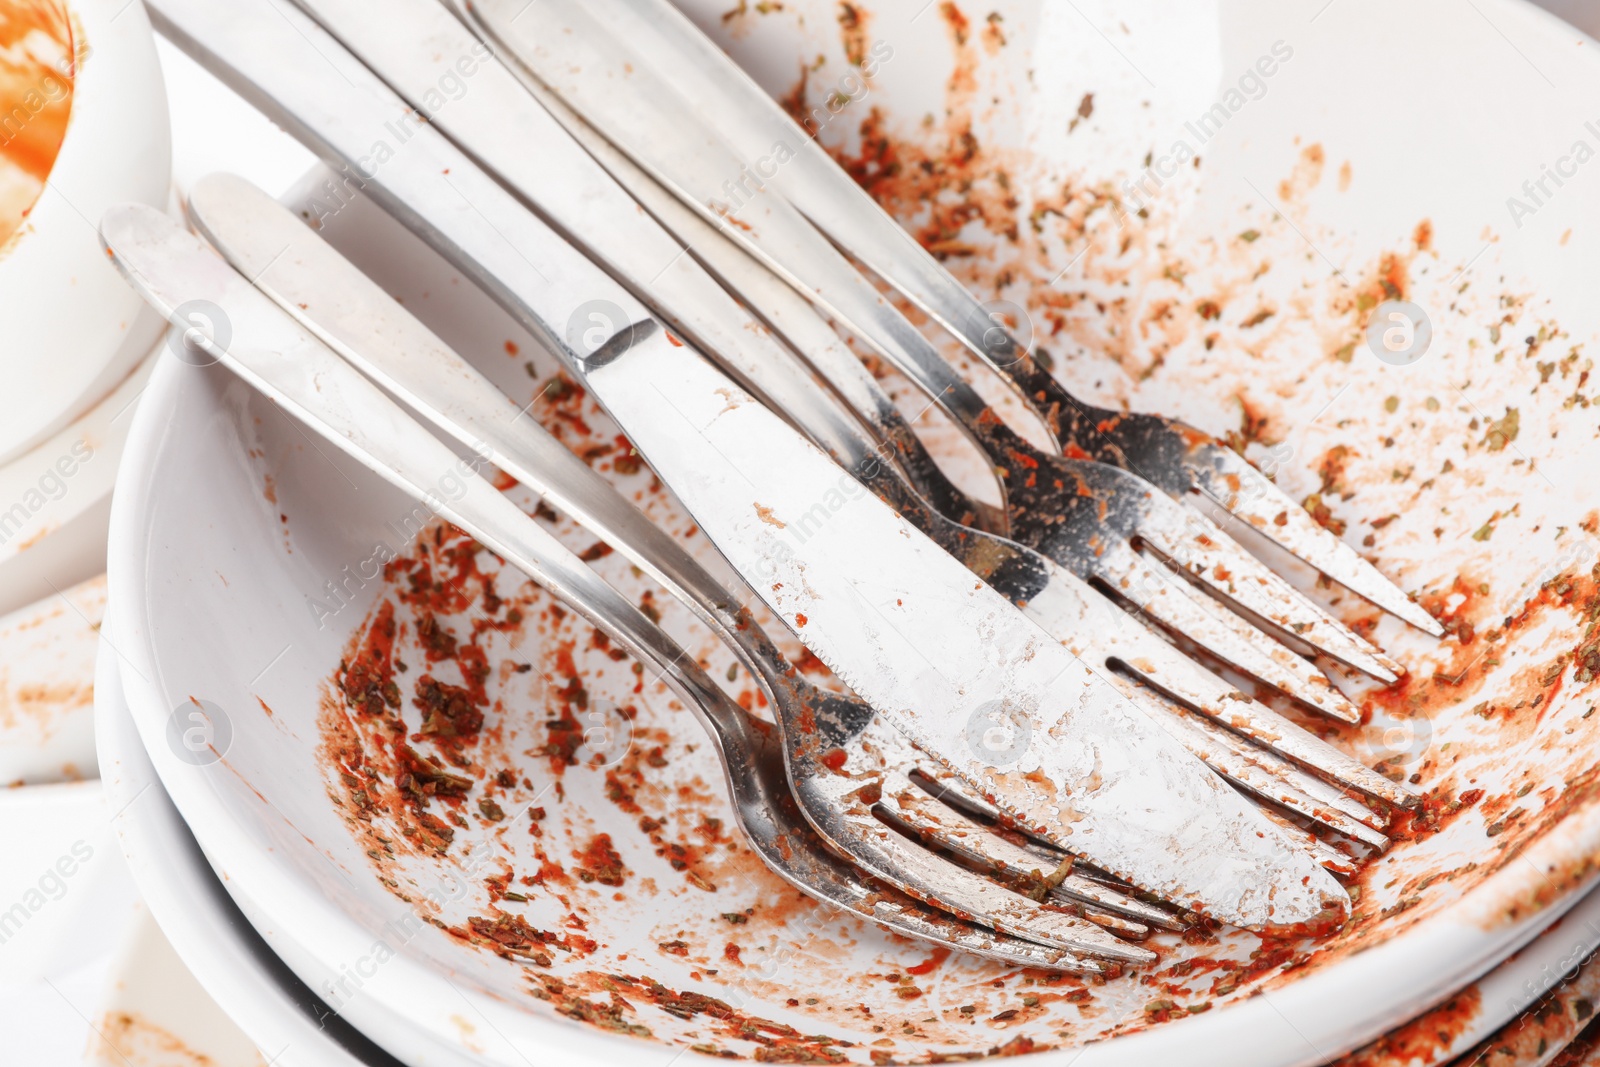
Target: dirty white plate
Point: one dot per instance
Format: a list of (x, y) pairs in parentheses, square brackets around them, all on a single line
[(248, 563)]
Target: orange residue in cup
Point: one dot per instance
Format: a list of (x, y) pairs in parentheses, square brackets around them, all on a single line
[(37, 67)]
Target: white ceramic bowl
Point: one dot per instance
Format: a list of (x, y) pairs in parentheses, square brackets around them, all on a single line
[(72, 329), (248, 594)]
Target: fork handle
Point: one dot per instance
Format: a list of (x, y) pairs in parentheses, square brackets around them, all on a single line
[(642, 114)]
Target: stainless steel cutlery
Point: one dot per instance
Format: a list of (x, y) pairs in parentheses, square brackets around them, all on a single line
[(995, 679), (332, 298), (497, 125)]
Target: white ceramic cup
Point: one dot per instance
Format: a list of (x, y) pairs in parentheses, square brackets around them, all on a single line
[(70, 328)]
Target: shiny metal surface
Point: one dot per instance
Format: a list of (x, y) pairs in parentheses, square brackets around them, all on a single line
[(1078, 614)]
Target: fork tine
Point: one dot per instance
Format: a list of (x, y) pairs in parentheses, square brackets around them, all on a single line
[(913, 806), (929, 824), (1094, 626), (1260, 773), (942, 783), (842, 805), (1171, 601), (894, 798), (911, 868), (945, 785), (1099, 888), (1204, 552), (1332, 860), (1118, 637), (1268, 509), (1248, 717), (900, 914), (1159, 664)]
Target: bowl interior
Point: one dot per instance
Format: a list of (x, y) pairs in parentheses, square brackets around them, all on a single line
[(572, 855)]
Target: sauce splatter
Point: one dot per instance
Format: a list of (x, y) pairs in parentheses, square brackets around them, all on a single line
[(38, 67)]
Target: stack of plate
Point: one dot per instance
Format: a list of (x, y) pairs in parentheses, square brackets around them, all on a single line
[(597, 908)]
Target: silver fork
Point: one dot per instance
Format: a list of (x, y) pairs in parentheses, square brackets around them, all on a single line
[(1181, 460), (415, 43), (1087, 516), (329, 296), (169, 267)]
